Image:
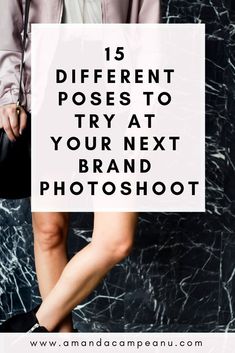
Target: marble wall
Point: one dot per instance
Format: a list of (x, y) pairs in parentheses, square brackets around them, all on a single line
[(181, 273)]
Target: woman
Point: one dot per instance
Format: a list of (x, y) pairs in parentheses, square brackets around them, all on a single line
[(63, 285)]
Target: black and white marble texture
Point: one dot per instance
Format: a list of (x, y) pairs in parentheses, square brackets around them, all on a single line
[(181, 274)]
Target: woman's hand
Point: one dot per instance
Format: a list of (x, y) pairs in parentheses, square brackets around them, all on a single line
[(12, 121)]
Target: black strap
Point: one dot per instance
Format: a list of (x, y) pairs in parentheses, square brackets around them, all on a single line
[(26, 21)]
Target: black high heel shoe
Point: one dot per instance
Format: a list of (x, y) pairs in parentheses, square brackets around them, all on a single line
[(26, 322)]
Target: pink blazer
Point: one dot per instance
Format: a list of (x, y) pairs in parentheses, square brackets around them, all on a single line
[(50, 11)]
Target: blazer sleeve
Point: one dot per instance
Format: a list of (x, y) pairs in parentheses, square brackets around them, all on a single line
[(11, 27), (131, 11), (149, 11)]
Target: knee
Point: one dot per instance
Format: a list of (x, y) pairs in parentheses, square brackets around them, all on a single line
[(50, 236), (121, 250), (114, 251)]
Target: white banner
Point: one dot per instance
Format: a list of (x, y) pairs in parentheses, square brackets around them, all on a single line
[(118, 343), (118, 116)]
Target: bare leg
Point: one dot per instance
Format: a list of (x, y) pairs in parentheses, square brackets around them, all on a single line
[(111, 242), (50, 247)]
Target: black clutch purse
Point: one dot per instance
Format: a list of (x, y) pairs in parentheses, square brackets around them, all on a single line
[(15, 157), (15, 164)]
